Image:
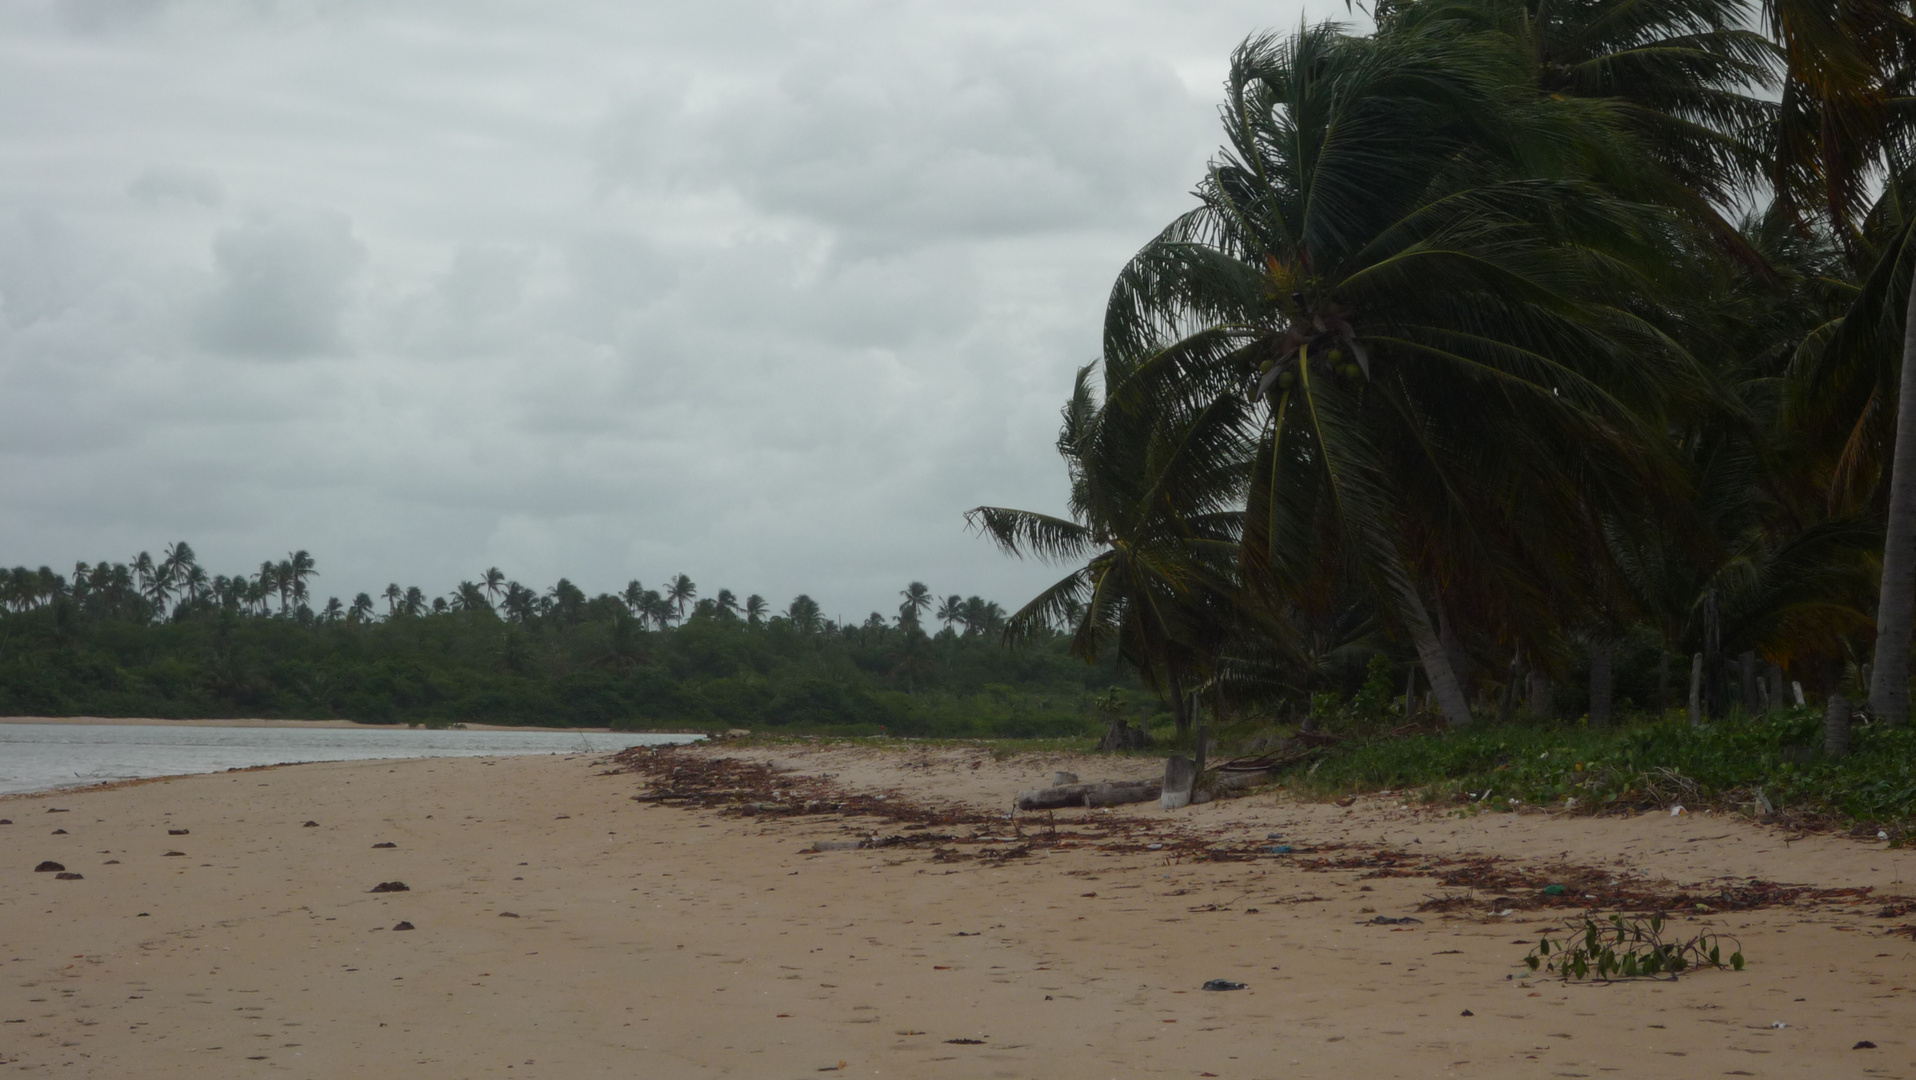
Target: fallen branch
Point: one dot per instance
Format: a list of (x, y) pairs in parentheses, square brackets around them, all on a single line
[(1089, 795)]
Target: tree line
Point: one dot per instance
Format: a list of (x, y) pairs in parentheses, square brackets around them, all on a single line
[(162, 637), (1551, 351)]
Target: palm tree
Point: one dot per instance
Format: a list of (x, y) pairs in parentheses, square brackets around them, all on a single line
[(334, 610), (634, 597), (470, 596), (1153, 536), (1845, 120), (413, 603), (495, 582), (393, 594), (362, 609), (804, 614), (728, 603), (918, 600), (1403, 261), (681, 592), (951, 610), (297, 568), (755, 609)]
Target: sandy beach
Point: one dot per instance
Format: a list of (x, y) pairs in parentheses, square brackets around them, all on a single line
[(561, 928)]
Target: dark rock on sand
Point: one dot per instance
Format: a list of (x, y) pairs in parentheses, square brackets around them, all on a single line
[(405, 926), (6, 821), (310, 825), (508, 914), (388, 843), (391, 886), (59, 832), (48, 867), (68, 876), (173, 854), (1222, 984), (178, 832)]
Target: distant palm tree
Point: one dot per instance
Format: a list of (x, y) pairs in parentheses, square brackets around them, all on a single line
[(414, 603), (298, 567), (728, 603), (334, 610), (659, 609), (495, 583), (918, 600), (471, 597), (681, 592), (393, 594), (754, 609), (521, 603), (634, 597), (804, 614), (362, 609), (951, 610)]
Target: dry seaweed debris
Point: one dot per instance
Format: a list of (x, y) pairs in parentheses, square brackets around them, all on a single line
[(1485, 884)]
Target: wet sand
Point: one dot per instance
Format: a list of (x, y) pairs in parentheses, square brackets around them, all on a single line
[(563, 929)]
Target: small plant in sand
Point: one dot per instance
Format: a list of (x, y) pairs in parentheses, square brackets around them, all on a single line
[(1632, 948)]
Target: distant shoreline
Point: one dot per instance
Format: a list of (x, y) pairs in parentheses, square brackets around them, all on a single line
[(245, 723)]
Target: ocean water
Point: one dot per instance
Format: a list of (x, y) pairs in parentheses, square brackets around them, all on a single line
[(44, 757)]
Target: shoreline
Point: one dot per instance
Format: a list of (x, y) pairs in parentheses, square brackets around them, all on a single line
[(149, 721), (560, 927)]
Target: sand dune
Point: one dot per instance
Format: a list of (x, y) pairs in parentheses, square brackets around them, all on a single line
[(563, 929)]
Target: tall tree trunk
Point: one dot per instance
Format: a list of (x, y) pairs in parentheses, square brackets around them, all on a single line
[(1696, 690), (1453, 647), (1663, 679), (1539, 694), (1410, 694), (1601, 681), (1712, 657), (1180, 708), (1836, 727), (1430, 652), (1510, 686), (1896, 604), (1746, 675)]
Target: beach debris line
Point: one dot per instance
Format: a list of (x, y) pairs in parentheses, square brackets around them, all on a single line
[(391, 886), (1634, 948)]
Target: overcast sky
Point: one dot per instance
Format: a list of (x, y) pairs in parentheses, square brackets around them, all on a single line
[(766, 292)]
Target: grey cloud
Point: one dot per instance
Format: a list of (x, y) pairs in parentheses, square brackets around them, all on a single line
[(282, 285), (161, 185)]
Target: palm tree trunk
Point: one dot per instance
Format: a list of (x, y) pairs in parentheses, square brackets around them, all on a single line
[(1430, 652), (1896, 604), (1180, 708), (1601, 681)]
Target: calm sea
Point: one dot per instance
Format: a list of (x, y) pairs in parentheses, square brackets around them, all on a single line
[(41, 757)]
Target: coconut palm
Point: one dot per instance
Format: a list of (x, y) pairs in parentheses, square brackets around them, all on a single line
[(681, 592), (1402, 259), (951, 610), (804, 614), (297, 568), (362, 609), (918, 600), (495, 584), (393, 594), (634, 598), (755, 609), (728, 604), (1153, 534)]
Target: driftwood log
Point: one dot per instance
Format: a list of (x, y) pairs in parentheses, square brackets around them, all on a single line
[(1091, 795)]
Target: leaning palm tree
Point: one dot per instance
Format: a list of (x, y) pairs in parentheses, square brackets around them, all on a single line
[(393, 594), (1402, 258)]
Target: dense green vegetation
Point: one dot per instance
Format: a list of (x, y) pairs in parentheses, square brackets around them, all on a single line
[(1549, 352), (160, 638)]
